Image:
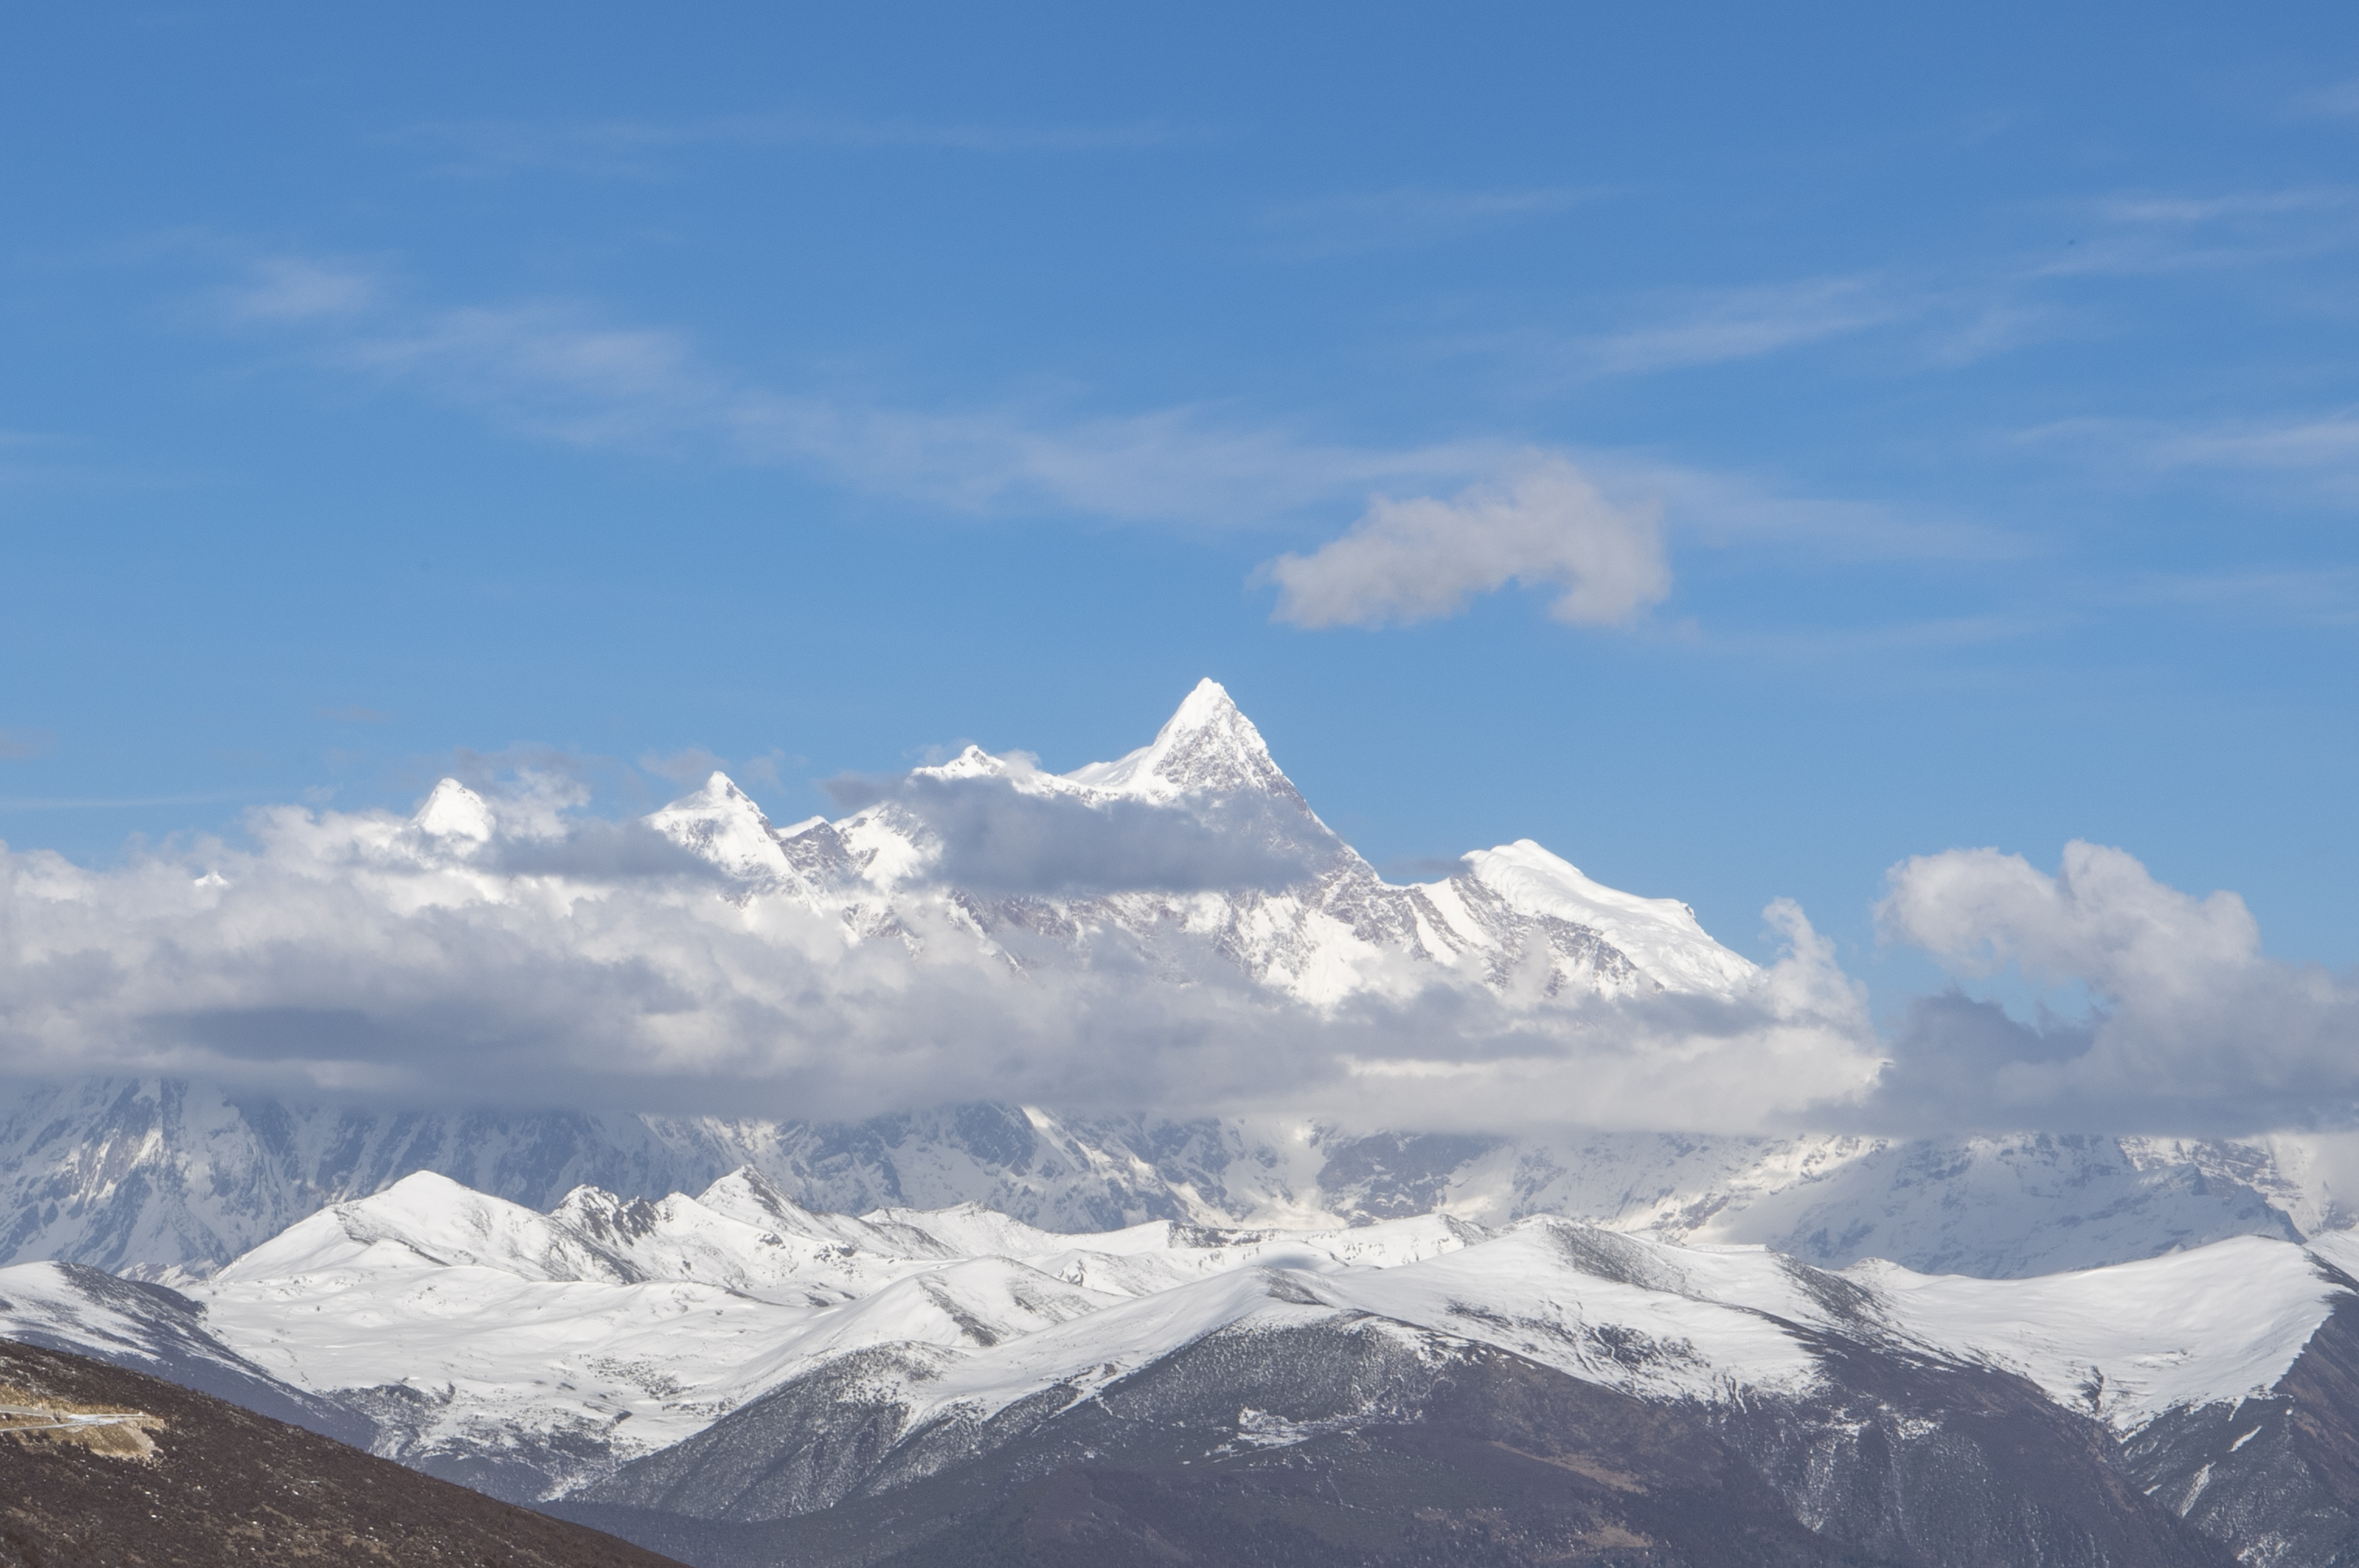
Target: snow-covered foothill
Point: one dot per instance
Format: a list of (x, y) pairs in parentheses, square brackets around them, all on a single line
[(618, 1328)]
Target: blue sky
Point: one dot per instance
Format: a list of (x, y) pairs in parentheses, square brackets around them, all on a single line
[(816, 388)]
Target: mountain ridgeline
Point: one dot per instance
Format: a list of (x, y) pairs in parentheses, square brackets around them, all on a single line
[(1009, 1334), (153, 1175), (732, 1379)]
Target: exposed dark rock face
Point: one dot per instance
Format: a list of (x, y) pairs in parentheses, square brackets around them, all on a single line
[(224, 1485), (1387, 1175), (2276, 1478), (1911, 1459), (1363, 1444)]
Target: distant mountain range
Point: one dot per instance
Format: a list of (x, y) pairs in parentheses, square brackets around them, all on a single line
[(146, 1176), (1000, 1333), (734, 1379), (153, 1175)]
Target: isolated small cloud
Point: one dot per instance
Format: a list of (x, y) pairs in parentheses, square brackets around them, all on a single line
[(355, 715), (19, 744), (1424, 559), (2195, 1028)]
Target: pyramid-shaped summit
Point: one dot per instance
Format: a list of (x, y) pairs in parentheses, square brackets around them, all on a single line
[(1208, 746)]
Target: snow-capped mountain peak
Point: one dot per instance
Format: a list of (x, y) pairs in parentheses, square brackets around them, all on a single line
[(564, 1345), (1306, 915), (426, 1220), (455, 812), (1662, 936), (722, 823), (1208, 746), (972, 763)]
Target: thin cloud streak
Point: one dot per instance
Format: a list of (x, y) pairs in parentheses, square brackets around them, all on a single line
[(2337, 101), (1735, 324), (73, 803), (640, 148), (560, 373), (2316, 453), (1349, 225), (557, 373)]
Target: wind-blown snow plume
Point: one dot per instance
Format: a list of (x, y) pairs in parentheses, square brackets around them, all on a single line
[(1423, 559), (2197, 1028), (1174, 928)]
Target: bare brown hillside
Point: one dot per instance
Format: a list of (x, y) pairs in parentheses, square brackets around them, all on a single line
[(220, 1485)]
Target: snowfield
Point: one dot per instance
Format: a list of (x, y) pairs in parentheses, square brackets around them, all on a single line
[(603, 1330)]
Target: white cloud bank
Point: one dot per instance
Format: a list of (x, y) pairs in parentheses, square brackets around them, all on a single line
[(1423, 559), (528, 956), (2196, 1029)]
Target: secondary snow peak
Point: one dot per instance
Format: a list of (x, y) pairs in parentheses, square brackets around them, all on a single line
[(454, 811), (721, 823)]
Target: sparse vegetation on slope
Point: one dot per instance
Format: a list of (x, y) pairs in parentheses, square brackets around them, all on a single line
[(192, 1482)]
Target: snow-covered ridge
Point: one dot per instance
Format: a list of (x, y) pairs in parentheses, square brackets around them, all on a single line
[(606, 1328), (1335, 929), (160, 1175)]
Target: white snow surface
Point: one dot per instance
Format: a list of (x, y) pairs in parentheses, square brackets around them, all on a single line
[(2129, 1342), (1339, 929), (642, 1322)]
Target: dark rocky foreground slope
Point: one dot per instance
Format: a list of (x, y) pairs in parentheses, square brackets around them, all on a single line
[(2278, 1476), (1356, 1446), (224, 1485)]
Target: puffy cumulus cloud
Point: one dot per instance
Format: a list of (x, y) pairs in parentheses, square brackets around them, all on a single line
[(1423, 559), (994, 836), (509, 952), (2195, 1028)]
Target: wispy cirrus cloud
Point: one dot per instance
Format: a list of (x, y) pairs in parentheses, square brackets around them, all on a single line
[(2280, 595), (2158, 234), (1695, 329), (1738, 323), (296, 289), (1349, 223), (2316, 453), (564, 372), (644, 148), (2336, 101), (560, 372), (1731, 510), (1948, 316)]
